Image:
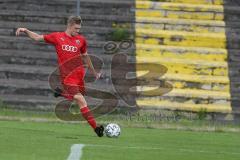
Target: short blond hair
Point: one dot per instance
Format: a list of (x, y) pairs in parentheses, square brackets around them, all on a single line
[(74, 20)]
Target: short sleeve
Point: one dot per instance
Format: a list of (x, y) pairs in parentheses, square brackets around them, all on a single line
[(83, 49), (50, 38)]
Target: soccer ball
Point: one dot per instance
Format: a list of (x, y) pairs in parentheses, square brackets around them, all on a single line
[(112, 130)]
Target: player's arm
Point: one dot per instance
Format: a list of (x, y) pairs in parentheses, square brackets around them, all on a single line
[(88, 61), (34, 36)]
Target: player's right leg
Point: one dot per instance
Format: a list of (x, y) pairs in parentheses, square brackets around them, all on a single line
[(74, 90), (86, 113)]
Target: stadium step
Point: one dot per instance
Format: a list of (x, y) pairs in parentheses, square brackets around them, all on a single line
[(28, 57), (190, 106), (179, 11), (187, 93), (70, 6), (55, 17), (208, 2), (185, 11), (200, 26), (177, 38), (88, 7), (187, 81), (29, 102), (27, 72), (203, 26), (178, 6), (188, 66), (195, 53)]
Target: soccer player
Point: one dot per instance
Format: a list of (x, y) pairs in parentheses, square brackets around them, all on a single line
[(68, 45)]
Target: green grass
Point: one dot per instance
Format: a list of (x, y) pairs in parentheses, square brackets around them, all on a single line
[(139, 120), (52, 141)]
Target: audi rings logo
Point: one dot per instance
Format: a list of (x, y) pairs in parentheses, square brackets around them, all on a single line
[(69, 48)]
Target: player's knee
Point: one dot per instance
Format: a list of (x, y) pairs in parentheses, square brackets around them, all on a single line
[(80, 100)]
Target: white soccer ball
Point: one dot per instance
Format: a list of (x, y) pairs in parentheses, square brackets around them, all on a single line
[(112, 130)]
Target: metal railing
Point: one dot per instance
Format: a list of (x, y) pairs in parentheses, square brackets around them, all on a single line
[(78, 8)]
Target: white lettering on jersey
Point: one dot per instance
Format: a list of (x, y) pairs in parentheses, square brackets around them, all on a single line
[(69, 48)]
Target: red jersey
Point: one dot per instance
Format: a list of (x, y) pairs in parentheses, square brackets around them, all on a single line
[(68, 50)]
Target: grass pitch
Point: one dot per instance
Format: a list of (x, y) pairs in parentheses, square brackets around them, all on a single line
[(52, 141)]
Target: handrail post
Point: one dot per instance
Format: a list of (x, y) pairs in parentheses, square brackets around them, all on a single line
[(78, 7)]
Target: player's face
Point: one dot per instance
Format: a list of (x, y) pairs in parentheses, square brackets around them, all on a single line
[(74, 29)]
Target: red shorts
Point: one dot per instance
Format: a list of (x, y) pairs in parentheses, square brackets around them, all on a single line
[(73, 84)]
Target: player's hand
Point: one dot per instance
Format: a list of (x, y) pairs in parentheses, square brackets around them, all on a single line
[(97, 75), (19, 30)]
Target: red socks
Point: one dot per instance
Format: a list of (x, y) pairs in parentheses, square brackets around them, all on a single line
[(86, 113)]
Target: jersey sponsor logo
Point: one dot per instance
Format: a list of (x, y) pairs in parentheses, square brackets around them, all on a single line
[(69, 48)]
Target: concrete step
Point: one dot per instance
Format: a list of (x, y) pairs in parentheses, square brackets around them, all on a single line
[(193, 53), (200, 26), (174, 26), (192, 69), (196, 78), (190, 106), (187, 11), (29, 102), (185, 99), (39, 6), (69, 6), (207, 2), (177, 38), (188, 81), (179, 14), (190, 24), (186, 95), (27, 72), (55, 17), (28, 57), (178, 6), (188, 39), (87, 7), (26, 87)]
